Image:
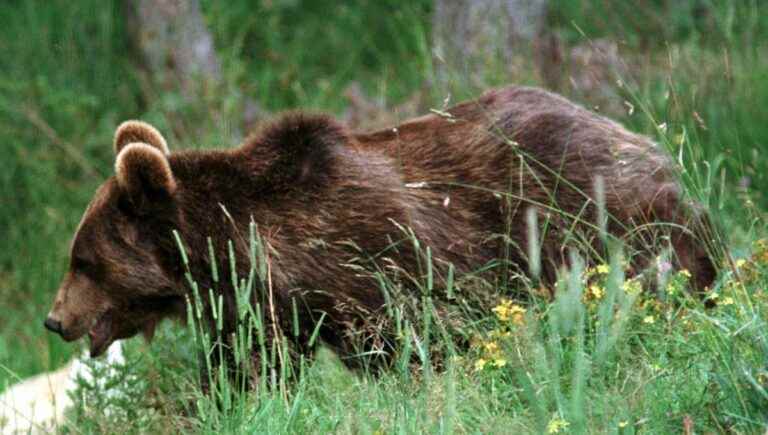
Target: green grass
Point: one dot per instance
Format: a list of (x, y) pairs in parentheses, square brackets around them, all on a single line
[(697, 67), (603, 358)]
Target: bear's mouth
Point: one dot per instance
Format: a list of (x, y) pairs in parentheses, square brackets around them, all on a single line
[(100, 334)]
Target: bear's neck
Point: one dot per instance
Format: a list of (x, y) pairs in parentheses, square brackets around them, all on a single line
[(222, 212)]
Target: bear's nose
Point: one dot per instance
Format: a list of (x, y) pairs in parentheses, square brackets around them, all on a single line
[(52, 325)]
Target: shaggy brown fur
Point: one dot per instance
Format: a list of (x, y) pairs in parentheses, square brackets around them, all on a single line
[(323, 198)]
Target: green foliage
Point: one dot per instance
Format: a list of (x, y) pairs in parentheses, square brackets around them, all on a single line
[(63, 86), (597, 359), (305, 54), (660, 22), (604, 357)]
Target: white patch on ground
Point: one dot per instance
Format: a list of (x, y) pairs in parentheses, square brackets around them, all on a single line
[(37, 405)]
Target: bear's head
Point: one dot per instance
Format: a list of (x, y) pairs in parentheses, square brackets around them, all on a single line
[(125, 272), (119, 282)]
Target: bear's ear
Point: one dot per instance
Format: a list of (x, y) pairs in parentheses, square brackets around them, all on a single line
[(144, 175), (141, 132), (296, 150)]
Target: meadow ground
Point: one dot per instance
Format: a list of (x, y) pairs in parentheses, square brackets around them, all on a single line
[(601, 358)]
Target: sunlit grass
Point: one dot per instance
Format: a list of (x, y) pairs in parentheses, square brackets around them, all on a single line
[(604, 356)]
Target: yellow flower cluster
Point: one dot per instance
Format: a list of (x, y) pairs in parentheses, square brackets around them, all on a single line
[(594, 279), (557, 425), (632, 287), (480, 364), (678, 283), (724, 301), (594, 292), (600, 270), (510, 315), (506, 311), (492, 356), (762, 378)]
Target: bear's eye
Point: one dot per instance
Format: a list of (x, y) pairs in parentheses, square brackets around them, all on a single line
[(82, 264)]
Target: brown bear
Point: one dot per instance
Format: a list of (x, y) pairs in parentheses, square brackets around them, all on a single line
[(322, 197)]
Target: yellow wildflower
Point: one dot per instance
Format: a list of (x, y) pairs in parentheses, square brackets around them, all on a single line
[(596, 292), (649, 320), (602, 269), (491, 347), (480, 364), (685, 273), (502, 310), (727, 301), (499, 362), (632, 287), (556, 425), (652, 304), (761, 251), (507, 311), (741, 263), (623, 424)]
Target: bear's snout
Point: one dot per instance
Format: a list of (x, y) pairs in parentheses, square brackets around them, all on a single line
[(67, 332), (68, 326), (52, 325)]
